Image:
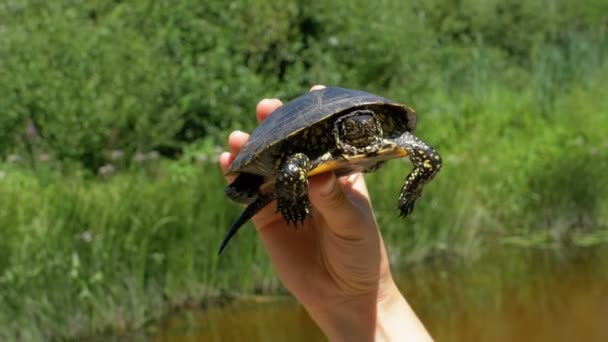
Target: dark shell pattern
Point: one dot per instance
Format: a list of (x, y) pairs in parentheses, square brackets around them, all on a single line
[(305, 125)]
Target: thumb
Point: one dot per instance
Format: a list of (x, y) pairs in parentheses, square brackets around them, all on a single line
[(344, 210)]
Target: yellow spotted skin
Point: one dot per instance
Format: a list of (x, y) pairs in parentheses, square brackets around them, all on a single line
[(359, 132), (292, 188), (330, 130), (427, 162)]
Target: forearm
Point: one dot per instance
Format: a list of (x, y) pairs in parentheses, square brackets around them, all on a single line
[(346, 321), (377, 318), (396, 321)]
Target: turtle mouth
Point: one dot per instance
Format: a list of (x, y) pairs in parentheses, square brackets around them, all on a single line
[(360, 128), (362, 139)]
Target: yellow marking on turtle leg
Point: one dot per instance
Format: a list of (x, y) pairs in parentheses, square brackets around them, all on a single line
[(292, 188), (427, 163)]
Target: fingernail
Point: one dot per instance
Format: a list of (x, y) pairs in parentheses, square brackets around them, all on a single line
[(269, 100), (223, 155), (235, 133), (329, 185)]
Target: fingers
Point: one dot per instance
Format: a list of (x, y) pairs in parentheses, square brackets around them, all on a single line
[(344, 203), (225, 159), (237, 139), (265, 107)]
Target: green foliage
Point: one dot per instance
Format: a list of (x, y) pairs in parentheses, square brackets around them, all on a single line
[(127, 241), (94, 76), (116, 251), (511, 92)]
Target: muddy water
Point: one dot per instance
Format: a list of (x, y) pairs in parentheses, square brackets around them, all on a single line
[(511, 295)]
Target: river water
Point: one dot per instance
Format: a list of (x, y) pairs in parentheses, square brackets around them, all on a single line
[(508, 295)]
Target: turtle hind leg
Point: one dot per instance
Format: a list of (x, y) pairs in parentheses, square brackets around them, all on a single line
[(292, 188), (427, 162), (245, 188)]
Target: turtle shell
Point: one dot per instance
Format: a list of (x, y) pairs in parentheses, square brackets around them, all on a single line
[(259, 154)]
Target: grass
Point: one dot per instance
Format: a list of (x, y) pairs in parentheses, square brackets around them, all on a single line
[(525, 159)]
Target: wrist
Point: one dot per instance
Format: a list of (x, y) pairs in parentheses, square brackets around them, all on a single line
[(346, 319), (396, 321), (382, 316)]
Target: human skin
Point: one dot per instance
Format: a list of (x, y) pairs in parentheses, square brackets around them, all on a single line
[(337, 265)]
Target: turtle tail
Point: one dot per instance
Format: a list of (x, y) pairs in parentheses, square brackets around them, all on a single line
[(246, 215)]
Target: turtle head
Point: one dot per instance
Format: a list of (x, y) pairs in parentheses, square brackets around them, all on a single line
[(360, 128)]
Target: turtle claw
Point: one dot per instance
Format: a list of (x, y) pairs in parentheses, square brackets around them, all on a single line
[(292, 189), (427, 162), (407, 206), (294, 211), (410, 192)]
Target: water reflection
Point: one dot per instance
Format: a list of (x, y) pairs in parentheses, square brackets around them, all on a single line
[(509, 295), (515, 295), (278, 319)]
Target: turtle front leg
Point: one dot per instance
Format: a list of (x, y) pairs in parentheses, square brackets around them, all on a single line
[(427, 163), (292, 188)]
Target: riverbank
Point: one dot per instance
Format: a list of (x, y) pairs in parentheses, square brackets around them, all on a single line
[(112, 114), (546, 294), (115, 251)]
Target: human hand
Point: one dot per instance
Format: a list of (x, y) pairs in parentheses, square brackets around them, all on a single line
[(337, 265)]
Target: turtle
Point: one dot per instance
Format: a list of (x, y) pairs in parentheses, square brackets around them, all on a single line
[(331, 129)]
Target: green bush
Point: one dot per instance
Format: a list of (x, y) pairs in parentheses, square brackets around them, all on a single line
[(512, 93), (94, 76)]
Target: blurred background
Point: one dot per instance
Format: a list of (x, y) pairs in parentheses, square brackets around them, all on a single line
[(112, 114)]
